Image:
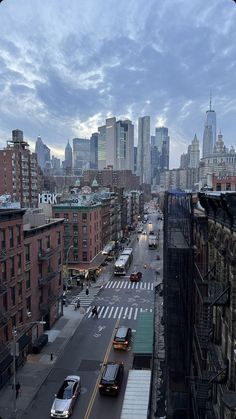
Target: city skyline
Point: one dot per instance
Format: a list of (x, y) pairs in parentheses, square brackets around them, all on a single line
[(64, 81)]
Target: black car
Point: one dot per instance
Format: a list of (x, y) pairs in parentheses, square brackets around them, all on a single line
[(122, 338), (112, 377)]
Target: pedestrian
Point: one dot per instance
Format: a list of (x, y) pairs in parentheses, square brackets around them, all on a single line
[(87, 290), (95, 311), (17, 389)]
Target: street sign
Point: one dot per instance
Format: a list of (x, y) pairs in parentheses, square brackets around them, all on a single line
[(14, 349)]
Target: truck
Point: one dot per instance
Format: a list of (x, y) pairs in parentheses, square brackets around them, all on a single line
[(152, 241), (137, 395)]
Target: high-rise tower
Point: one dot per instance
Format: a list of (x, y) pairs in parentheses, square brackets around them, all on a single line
[(209, 135), (144, 150), (68, 159)]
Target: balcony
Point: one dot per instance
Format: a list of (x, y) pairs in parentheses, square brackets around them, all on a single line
[(47, 278), (3, 255), (46, 254)]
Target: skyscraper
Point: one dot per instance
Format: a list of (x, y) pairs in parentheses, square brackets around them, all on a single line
[(209, 135), (81, 155), (94, 151), (124, 145), (194, 153), (116, 145), (68, 159), (144, 152), (43, 153), (162, 142)]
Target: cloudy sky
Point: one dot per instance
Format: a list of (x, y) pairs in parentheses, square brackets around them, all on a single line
[(67, 65)]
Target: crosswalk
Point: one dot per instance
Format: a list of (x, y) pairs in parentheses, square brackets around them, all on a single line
[(86, 300), (148, 286), (108, 312)]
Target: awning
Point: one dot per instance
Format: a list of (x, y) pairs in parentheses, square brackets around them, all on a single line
[(88, 266)]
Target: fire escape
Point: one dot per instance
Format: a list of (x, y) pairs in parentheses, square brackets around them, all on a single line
[(212, 368)]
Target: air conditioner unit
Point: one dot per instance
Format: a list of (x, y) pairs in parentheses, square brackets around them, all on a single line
[(28, 313)]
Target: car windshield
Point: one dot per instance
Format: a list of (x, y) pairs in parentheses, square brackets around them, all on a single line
[(109, 374), (121, 334), (66, 390)]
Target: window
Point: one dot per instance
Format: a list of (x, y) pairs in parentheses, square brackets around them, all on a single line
[(3, 238), (6, 335), (84, 216), (75, 229), (4, 272), (19, 263), (12, 268), (218, 186), (4, 300), (59, 258), (13, 321), (75, 217), (84, 229), (13, 296), (21, 316), (84, 243), (27, 253), (18, 234), (40, 247), (228, 186), (84, 256), (11, 236), (75, 241), (66, 216), (57, 215), (20, 289), (28, 304), (58, 237), (40, 270), (48, 244), (27, 279)]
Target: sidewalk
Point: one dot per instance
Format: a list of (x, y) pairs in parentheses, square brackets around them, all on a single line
[(38, 366)]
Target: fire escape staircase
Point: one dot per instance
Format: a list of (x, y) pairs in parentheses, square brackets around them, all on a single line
[(218, 294)]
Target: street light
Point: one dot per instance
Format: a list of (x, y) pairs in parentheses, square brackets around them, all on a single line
[(15, 353)]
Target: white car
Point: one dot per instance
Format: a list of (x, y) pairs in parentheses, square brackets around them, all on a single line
[(66, 397)]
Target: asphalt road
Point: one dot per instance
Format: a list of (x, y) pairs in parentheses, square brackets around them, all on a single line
[(119, 303)]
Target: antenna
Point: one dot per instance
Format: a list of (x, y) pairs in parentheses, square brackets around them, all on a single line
[(210, 99)]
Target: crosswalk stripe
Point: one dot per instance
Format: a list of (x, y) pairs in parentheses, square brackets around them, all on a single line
[(120, 313), (117, 312)]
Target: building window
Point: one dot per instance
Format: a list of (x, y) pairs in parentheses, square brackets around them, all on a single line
[(48, 244), (6, 336), (27, 279), (75, 230), (66, 216), (59, 259), (21, 316), (20, 289), (11, 236), (27, 253), (228, 186), (84, 243), (84, 216), (40, 270), (28, 304), (40, 247), (84, 229), (19, 263), (75, 241), (58, 237), (57, 215), (75, 217), (13, 296), (12, 268), (4, 300), (18, 234), (3, 239), (4, 271), (13, 321), (84, 257)]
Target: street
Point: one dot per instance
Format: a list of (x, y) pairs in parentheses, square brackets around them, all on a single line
[(119, 303)]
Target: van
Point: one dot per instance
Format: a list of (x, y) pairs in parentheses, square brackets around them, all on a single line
[(111, 379)]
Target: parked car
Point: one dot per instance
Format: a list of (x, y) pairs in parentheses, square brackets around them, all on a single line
[(66, 397), (135, 276), (144, 232), (112, 377), (122, 338)]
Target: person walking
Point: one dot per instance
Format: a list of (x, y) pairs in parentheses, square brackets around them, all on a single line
[(95, 311)]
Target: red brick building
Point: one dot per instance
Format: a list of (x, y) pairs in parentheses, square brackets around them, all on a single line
[(30, 282), (224, 183), (19, 171)]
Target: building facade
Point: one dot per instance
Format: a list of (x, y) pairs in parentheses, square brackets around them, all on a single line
[(43, 153), (68, 162), (19, 171), (81, 155), (209, 135), (144, 150)]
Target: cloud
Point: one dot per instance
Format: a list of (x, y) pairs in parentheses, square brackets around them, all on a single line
[(63, 69)]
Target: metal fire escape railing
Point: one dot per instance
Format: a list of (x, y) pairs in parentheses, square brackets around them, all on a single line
[(211, 293)]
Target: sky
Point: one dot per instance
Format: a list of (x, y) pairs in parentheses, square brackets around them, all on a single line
[(65, 66)]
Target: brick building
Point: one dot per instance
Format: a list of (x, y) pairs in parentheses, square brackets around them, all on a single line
[(25, 283), (19, 171)]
